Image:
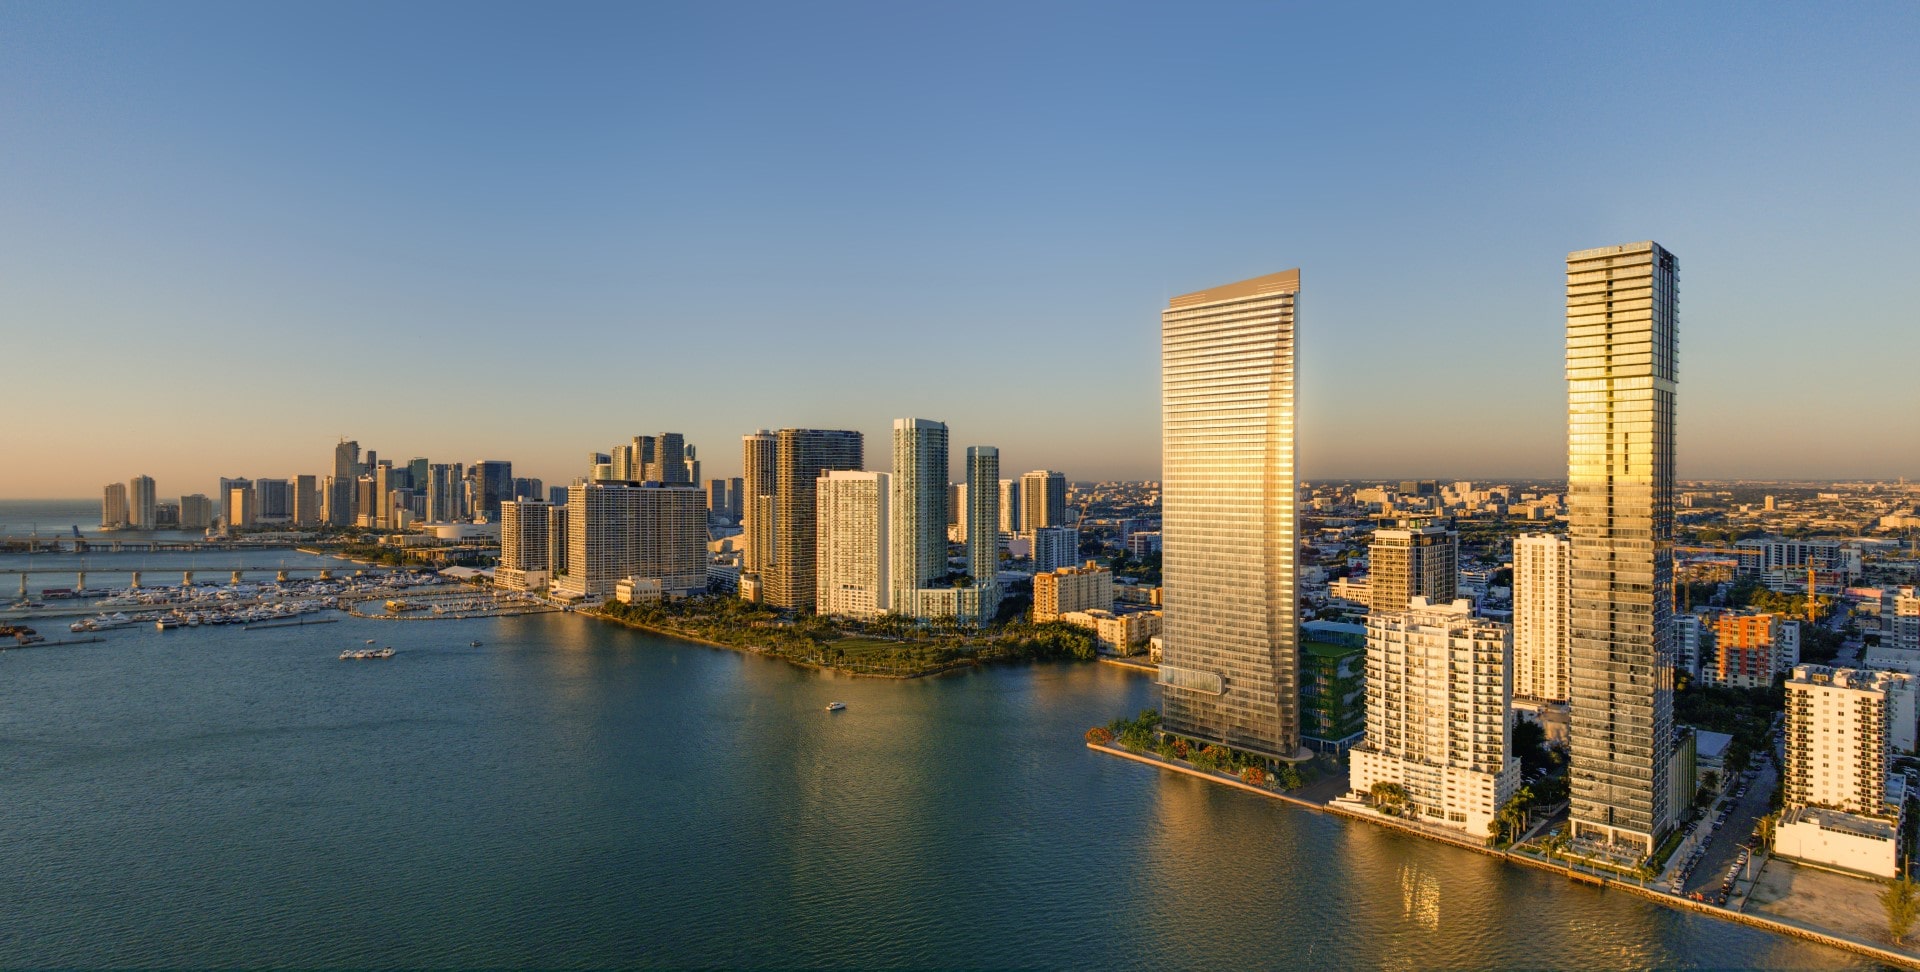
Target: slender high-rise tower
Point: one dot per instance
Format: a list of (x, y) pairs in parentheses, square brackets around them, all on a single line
[(1622, 339), (801, 455), (346, 460), (918, 534), (758, 452), (983, 526), (1231, 630)]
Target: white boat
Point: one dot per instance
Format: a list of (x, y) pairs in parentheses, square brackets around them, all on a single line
[(835, 706), (166, 624)]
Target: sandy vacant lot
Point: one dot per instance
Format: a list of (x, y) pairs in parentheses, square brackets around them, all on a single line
[(1825, 901)]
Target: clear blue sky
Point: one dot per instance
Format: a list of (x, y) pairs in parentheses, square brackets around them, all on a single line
[(232, 232)]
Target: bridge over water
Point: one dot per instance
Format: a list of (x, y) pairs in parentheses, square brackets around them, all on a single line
[(235, 575), (98, 544)]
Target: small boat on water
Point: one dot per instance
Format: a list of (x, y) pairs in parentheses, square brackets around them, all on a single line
[(835, 706), (166, 624), (475, 644)]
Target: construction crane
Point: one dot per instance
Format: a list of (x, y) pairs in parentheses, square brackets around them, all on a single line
[(1813, 603)]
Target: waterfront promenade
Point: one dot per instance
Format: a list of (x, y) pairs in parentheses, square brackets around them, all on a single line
[(1908, 956)]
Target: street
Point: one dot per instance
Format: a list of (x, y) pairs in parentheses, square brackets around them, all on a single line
[(1723, 849)]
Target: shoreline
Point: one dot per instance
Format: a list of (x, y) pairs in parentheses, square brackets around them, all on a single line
[(763, 653), (1877, 952)]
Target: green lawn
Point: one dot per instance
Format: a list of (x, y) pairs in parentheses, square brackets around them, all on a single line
[(857, 648)]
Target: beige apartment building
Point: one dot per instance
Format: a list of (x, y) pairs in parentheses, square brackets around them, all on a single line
[(1069, 589), (1122, 634), (854, 519), (1542, 586)]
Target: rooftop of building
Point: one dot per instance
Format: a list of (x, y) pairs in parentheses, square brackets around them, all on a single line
[(1330, 650), (1848, 678), (1284, 282), (1841, 822), (1711, 745)]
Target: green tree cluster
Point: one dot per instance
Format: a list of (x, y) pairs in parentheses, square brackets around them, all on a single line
[(1901, 899)]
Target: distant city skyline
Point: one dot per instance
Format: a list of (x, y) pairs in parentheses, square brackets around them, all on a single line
[(528, 245)]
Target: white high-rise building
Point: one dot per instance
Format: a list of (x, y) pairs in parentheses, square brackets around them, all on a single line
[(1542, 588), (917, 536), (617, 531), (1902, 625), (852, 540), (1842, 727), (1622, 346), (1230, 662), (140, 501), (525, 533), (1437, 701)]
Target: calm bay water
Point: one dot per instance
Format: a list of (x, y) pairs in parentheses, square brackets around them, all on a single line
[(570, 793)]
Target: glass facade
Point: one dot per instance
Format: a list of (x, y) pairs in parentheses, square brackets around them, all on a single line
[(800, 456), (1230, 636), (1622, 339), (918, 535), (983, 526)]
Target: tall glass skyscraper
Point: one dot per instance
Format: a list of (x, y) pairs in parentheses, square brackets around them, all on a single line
[(755, 507), (1622, 339), (918, 535), (800, 456), (1230, 670), (983, 526)]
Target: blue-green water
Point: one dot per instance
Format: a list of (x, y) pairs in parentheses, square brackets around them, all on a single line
[(570, 794)]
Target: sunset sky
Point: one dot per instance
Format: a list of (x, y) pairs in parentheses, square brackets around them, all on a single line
[(231, 233)]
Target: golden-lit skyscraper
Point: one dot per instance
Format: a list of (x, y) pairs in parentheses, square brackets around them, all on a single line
[(1622, 340), (800, 456), (1231, 629)]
